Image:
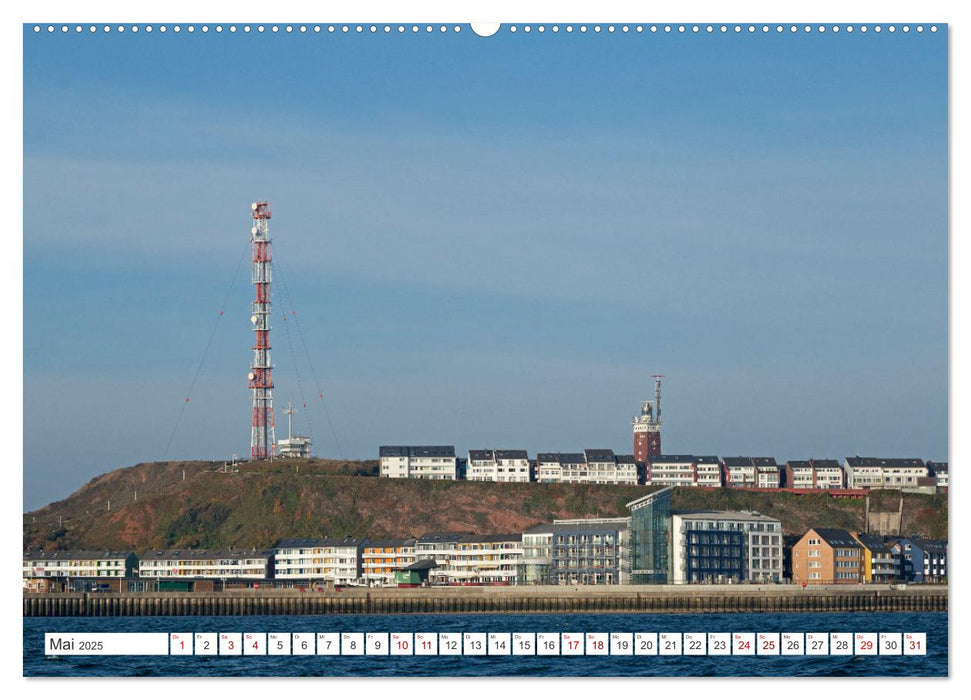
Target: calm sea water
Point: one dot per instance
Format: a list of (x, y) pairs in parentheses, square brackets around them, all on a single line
[(933, 664)]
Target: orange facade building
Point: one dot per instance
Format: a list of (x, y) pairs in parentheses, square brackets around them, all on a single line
[(827, 556)]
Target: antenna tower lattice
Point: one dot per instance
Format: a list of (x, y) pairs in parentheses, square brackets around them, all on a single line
[(262, 440)]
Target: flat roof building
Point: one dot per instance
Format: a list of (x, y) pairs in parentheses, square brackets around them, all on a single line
[(380, 559), (726, 546), (79, 563), (327, 559), (578, 552), (206, 563), (683, 470), (465, 558), (672, 470)]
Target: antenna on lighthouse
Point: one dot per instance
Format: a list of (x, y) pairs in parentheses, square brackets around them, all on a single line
[(657, 397)]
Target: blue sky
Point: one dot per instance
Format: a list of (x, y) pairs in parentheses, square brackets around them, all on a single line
[(487, 242)]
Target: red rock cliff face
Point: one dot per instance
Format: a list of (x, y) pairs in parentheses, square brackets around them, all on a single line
[(264, 502), (201, 504)]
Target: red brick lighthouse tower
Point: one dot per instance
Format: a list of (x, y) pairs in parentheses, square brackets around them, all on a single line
[(647, 426)]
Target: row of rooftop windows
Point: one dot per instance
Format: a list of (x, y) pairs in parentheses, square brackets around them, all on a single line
[(741, 526)]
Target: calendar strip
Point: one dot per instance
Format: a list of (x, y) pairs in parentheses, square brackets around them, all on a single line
[(486, 644)]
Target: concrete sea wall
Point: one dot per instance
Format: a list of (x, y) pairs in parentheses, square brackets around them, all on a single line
[(539, 599)]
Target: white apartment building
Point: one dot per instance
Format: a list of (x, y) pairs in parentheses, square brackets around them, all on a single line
[(708, 468), (829, 474), (721, 546), (814, 474), (381, 558), (482, 466), (877, 473), (588, 467), (800, 474), (548, 468), (471, 559), (904, 473), (767, 476), (604, 467), (203, 563), (684, 470), (338, 561), (573, 468), (512, 466), (751, 472), (627, 470), (79, 564), (863, 473), (418, 462), (672, 470), (739, 471), (939, 470), (394, 461), (498, 465), (601, 466)]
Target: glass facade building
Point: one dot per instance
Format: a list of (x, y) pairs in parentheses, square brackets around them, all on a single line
[(650, 531)]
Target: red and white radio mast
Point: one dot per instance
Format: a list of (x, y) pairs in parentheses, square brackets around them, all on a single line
[(262, 441)]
